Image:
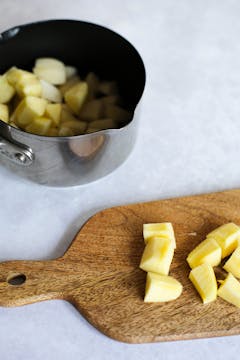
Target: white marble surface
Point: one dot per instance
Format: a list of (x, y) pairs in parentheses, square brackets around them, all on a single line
[(188, 143)]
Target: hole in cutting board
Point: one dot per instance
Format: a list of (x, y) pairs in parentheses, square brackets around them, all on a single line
[(17, 279)]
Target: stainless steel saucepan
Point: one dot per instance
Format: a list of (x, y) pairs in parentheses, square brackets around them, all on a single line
[(75, 160)]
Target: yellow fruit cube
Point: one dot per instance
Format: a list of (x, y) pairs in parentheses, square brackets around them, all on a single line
[(65, 131), (103, 124), (161, 288), (50, 70), (68, 84), (230, 290), (160, 230), (78, 127), (29, 86), (6, 90), (233, 263), (50, 92), (39, 126), (4, 113), (227, 236), (157, 255), (208, 251), (53, 111), (91, 130), (92, 110), (76, 96), (29, 108), (52, 132), (204, 280), (15, 75)]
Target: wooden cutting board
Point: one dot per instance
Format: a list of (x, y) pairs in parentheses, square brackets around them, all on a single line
[(99, 273)]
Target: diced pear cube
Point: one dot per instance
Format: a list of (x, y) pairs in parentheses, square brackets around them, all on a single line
[(6, 90), (50, 92), (92, 110), (103, 124), (76, 96), (160, 230), (70, 71), (65, 131), (227, 236), (39, 126), (29, 108), (230, 290), (93, 84), (161, 288), (66, 115), (78, 127), (68, 84), (208, 251), (4, 113), (117, 114), (204, 280), (50, 70), (15, 75), (53, 111), (91, 130), (232, 265), (29, 86), (157, 255), (108, 87)]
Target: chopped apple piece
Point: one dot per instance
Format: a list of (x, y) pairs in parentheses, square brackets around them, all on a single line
[(230, 290), (65, 131), (160, 230), (208, 251), (76, 96), (39, 126), (66, 115), (117, 114), (15, 75), (227, 236), (157, 255), (53, 111), (70, 71), (50, 92), (92, 110), (29, 86), (233, 263), (6, 90), (204, 280), (91, 130), (13, 125), (93, 84), (50, 70), (161, 288), (68, 84), (4, 113), (29, 108), (103, 124), (108, 87), (78, 127)]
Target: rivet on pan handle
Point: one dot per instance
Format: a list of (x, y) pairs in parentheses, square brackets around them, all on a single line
[(17, 153)]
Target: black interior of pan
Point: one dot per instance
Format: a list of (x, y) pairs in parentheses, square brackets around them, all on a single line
[(87, 46)]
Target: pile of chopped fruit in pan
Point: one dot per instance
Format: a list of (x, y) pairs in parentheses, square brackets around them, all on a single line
[(54, 101), (221, 243)]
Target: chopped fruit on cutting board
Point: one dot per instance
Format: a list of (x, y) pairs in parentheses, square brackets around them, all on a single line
[(208, 251), (232, 265), (230, 290), (68, 100), (204, 280), (227, 236), (161, 288), (156, 260)]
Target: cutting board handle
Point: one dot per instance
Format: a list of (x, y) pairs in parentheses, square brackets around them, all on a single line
[(25, 282)]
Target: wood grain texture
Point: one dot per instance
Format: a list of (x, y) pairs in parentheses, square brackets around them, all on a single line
[(99, 273)]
